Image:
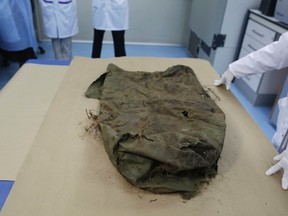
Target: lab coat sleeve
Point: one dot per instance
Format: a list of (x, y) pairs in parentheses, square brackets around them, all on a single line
[(271, 57), (282, 125)]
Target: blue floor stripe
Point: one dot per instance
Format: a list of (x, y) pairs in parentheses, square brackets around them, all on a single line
[(49, 62), (5, 187), (260, 114)]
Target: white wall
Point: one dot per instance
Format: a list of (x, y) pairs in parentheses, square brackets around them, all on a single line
[(159, 21), (151, 21)]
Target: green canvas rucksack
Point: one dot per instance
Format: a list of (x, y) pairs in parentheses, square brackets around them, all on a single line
[(161, 130)]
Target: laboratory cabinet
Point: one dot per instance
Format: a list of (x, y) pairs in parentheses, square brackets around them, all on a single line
[(216, 29), (261, 30)]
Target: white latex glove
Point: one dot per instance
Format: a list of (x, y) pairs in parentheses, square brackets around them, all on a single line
[(282, 164), (226, 79)]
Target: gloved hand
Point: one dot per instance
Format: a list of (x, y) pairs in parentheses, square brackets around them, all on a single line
[(282, 164), (226, 79)]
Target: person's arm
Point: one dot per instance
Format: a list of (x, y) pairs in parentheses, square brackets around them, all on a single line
[(271, 57)]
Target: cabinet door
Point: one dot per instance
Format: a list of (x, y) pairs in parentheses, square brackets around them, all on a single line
[(256, 37), (260, 33), (206, 18), (250, 44)]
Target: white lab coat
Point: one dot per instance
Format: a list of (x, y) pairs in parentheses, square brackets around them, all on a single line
[(110, 14), (282, 122), (271, 57), (59, 18)]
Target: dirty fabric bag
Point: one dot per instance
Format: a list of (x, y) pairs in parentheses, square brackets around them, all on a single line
[(161, 130)]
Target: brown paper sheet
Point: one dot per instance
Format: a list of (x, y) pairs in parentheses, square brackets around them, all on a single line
[(24, 102), (67, 171)]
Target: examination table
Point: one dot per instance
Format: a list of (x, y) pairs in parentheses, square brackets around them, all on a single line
[(60, 167)]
